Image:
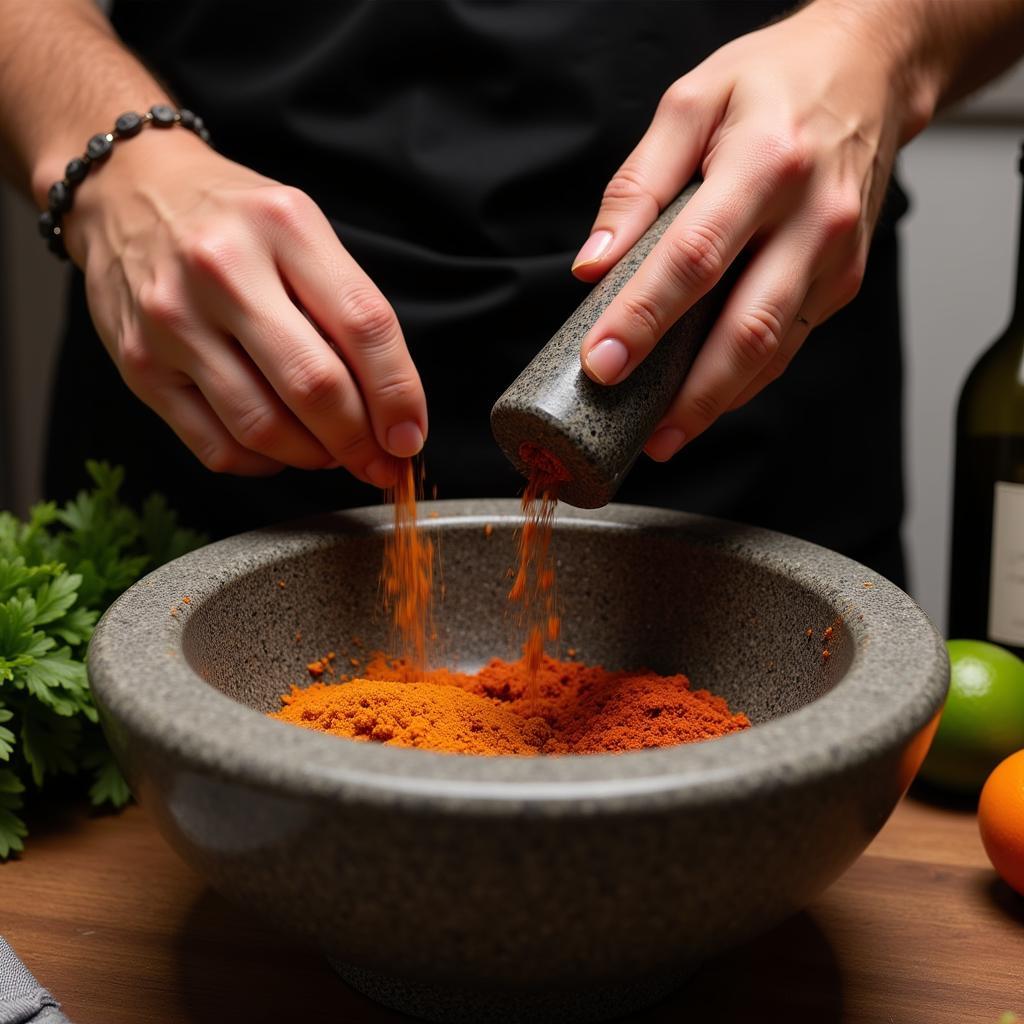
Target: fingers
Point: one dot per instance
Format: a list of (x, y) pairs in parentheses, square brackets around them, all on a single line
[(190, 416), (253, 414), (665, 159), (827, 295), (173, 340), (687, 262), (314, 383), (791, 344), (758, 319), (355, 317), (766, 320), (244, 290)]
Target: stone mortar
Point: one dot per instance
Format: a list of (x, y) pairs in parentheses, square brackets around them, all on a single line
[(570, 888)]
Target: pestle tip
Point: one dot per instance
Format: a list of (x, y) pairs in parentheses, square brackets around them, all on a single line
[(546, 467)]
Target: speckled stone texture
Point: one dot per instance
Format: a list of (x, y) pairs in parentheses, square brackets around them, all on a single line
[(597, 432), (522, 889)]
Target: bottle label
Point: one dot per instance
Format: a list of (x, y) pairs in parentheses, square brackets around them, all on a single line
[(1006, 589)]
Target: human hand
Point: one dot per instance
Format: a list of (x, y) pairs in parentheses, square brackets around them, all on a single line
[(210, 286), (794, 129)]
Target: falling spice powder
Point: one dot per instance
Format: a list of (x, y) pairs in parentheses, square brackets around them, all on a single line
[(537, 705), (407, 576), (533, 586)]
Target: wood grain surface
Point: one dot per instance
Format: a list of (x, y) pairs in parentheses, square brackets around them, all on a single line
[(122, 932)]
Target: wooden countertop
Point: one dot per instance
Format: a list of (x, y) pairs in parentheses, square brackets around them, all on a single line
[(122, 932)]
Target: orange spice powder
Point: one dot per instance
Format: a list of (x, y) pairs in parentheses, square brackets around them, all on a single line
[(537, 705), (533, 586), (573, 709), (407, 576)]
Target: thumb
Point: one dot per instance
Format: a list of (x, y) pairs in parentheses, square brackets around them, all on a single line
[(664, 161)]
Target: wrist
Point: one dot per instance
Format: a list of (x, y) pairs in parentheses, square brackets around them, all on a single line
[(63, 141), (898, 35), (136, 145), (50, 165)]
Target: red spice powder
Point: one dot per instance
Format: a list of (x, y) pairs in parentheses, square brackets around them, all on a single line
[(545, 467), (573, 709)]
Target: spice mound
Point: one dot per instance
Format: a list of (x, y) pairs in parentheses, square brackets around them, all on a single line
[(575, 709)]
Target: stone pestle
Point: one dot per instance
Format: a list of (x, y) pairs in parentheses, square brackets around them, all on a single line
[(593, 433)]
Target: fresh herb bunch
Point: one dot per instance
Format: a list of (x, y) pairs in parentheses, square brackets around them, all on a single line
[(58, 573)]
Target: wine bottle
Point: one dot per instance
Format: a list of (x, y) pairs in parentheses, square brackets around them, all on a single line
[(986, 587)]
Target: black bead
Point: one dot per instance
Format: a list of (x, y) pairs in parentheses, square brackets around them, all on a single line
[(187, 117), (56, 245), (163, 115), (127, 125), (76, 170), (46, 223), (198, 124), (98, 147), (59, 197), (204, 134)]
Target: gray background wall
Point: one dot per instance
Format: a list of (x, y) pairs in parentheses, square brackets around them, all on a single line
[(959, 263)]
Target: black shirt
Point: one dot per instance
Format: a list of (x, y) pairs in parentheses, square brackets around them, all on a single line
[(460, 150)]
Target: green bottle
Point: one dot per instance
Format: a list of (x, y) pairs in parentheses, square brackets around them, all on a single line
[(986, 585)]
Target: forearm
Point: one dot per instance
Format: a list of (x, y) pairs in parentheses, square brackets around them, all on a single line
[(64, 75), (940, 50)]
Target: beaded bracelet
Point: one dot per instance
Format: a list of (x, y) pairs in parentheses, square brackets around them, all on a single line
[(128, 125)]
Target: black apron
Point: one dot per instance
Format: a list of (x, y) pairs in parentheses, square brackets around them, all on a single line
[(460, 150)]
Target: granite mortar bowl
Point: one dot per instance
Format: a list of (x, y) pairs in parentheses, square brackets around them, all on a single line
[(461, 888)]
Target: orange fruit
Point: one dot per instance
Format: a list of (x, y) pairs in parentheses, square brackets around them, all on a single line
[(1001, 820)]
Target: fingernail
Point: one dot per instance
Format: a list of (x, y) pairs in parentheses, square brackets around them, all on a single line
[(607, 359), (593, 249), (664, 443), (405, 439), (381, 473)]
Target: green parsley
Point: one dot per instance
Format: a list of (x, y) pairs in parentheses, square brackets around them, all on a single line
[(58, 572)]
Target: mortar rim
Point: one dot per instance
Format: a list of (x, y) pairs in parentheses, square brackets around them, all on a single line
[(861, 718)]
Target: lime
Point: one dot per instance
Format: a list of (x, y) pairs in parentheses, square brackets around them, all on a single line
[(983, 720)]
